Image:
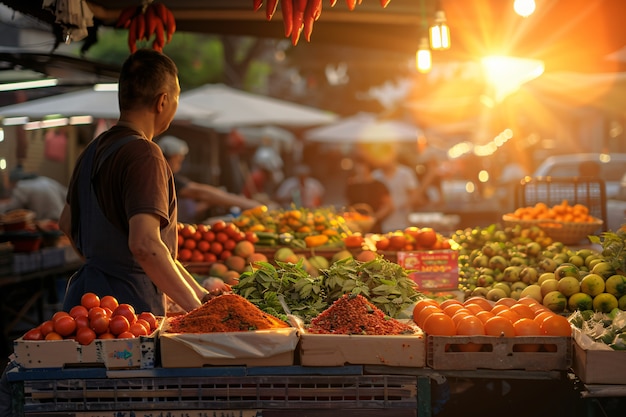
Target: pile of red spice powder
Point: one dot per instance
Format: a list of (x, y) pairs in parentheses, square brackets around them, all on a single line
[(356, 315), (226, 313)]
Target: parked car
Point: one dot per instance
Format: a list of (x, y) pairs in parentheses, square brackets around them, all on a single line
[(612, 168)]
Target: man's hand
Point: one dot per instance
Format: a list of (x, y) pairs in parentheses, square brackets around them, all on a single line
[(214, 286)]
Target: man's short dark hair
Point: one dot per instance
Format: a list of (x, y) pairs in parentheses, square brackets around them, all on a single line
[(145, 74)]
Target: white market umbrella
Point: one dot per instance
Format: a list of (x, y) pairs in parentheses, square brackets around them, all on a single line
[(234, 108), (364, 128), (89, 102), (273, 134)]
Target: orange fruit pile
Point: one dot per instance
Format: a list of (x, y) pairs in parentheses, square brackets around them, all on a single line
[(477, 316), (563, 212)]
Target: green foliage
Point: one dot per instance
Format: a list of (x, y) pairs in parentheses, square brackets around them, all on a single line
[(199, 58), (613, 248), (385, 284), (111, 48)]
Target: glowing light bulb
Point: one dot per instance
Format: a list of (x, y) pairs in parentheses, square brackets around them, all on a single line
[(423, 56), (440, 32)]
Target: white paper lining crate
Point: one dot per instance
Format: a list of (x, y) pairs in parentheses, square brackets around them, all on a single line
[(443, 353), (271, 347), (330, 392)]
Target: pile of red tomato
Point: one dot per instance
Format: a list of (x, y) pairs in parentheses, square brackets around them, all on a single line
[(209, 243), (95, 318)]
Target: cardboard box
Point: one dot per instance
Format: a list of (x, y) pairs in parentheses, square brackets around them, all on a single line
[(554, 354), (432, 269), (340, 350), (274, 347), (598, 366), (136, 353)]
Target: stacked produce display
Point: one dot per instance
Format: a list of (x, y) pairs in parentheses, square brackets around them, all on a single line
[(306, 289)]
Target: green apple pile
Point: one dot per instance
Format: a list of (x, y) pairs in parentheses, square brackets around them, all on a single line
[(495, 263)]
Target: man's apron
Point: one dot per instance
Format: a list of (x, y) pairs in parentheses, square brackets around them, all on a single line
[(110, 268)]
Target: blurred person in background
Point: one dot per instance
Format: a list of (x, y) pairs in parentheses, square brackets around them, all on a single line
[(40, 194), (267, 172), (430, 177), (300, 190), (363, 189), (194, 198), (401, 181)]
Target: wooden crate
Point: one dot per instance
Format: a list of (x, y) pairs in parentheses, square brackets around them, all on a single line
[(593, 366), (444, 352), (339, 350)]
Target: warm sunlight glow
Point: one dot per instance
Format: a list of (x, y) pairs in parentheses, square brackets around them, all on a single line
[(459, 150), (524, 8), (507, 74)]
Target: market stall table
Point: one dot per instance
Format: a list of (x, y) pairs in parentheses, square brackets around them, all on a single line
[(596, 396), (35, 282), (274, 391), (354, 390)]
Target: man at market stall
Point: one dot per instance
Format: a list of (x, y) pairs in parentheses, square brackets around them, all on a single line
[(121, 210), (194, 198)]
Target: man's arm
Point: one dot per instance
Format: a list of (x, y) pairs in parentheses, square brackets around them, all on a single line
[(215, 196), (152, 254)]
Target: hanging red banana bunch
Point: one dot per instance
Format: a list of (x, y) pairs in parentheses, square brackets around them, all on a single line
[(145, 21), (299, 15)]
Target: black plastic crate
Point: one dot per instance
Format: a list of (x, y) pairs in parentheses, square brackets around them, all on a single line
[(222, 393)]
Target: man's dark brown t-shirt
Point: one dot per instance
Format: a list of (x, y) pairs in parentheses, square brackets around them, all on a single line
[(135, 179)]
